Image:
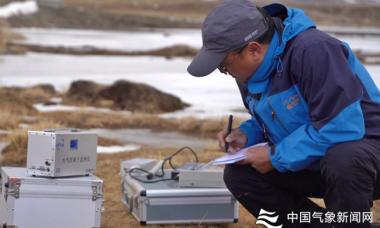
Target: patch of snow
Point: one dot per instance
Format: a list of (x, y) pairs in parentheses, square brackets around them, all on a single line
[(17, 8), (56, 99), (134, 40), (56, 108), (23, 126), (117, 149), (4, 132), (201, 113), (69, 108)]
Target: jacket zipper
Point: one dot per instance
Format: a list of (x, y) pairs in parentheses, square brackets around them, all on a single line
[(265, 132), (275, 117)]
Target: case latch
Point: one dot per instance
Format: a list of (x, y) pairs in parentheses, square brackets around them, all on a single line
[(96, 193), (12, 188)]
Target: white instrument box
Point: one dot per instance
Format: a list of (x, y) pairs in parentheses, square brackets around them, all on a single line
[(61, 153)]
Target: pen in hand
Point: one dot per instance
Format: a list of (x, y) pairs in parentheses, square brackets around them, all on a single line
[(229, 128)]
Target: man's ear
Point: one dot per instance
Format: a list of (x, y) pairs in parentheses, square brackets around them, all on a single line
[(256, 50)]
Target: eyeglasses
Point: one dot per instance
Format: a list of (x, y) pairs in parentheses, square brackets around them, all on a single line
[(223, 67)]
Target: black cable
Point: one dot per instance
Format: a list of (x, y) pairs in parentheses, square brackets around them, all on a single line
[(169, 158), (150, 175)]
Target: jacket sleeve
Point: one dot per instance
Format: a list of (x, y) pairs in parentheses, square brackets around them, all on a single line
[(332, 92), (252, 131)]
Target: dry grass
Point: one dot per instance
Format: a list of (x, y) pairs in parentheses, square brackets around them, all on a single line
[(108, 142), (108, 166), (4, 35), (189, 125), (8, 120), (180, 9), (357, 14), (15, 104), (15, 153), (7, 36), (36, 95), (83, 119)]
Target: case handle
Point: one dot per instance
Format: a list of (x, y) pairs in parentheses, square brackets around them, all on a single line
[(62, 130)]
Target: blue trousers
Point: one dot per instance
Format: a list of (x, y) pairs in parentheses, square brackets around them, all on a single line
[(348, 181)]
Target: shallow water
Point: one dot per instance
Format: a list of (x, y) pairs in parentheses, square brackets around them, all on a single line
[(139, 39), (215, 95), (144, 39)]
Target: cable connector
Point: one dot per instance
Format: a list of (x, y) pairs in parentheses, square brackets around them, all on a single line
[(174, 174), (149, 176)]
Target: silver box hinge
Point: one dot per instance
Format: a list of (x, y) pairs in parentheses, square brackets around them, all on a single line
[(1, 185), (95, 193), (12, 188)]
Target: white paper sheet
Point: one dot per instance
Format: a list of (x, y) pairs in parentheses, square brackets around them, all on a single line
[(238, 156)]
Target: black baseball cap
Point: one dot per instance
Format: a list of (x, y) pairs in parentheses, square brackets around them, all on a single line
[(230, 26)]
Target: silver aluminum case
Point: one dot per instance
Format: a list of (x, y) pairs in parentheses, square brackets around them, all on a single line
[(25, 202), (167, 203), (50, 154)]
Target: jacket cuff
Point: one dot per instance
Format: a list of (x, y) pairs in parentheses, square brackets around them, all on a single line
[(274, 157)]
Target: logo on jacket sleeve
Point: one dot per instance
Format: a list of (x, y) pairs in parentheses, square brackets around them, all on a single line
[(268, 219)]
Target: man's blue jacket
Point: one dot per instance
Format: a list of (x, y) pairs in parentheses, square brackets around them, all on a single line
[(318, 95)]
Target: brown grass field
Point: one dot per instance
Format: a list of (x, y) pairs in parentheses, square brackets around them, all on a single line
[(115, 214), (108, 165)]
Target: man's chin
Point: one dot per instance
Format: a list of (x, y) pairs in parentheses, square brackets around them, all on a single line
[(241, 80)]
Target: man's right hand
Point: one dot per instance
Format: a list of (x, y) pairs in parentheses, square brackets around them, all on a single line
[(236, 139)]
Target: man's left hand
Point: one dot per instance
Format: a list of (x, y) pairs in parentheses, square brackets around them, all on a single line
[(258, 158)]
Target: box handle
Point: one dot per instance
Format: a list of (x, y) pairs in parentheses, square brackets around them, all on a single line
[(62, 130)]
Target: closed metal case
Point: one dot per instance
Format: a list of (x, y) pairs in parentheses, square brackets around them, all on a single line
[(25, 202), (166, 202), (61, 153)]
